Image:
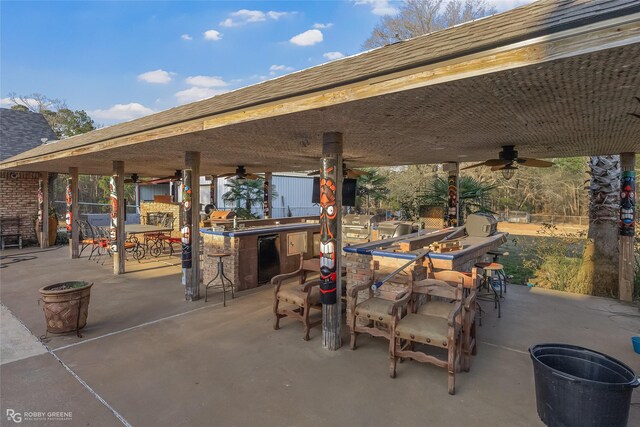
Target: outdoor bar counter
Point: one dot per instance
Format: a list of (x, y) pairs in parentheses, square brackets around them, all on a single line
[(259, 249), (391, 254)]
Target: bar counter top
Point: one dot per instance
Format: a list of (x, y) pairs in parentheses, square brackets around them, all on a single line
[(264, 229)]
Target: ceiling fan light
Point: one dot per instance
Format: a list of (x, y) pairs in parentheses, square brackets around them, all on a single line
[(508, 172)]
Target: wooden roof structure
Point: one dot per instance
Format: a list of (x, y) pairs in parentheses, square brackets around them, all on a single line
[(556, 78)]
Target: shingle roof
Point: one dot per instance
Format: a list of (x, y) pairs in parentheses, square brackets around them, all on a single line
[(21, 131)]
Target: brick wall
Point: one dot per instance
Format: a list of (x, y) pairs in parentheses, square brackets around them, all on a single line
[(19, 197), (174, 208)]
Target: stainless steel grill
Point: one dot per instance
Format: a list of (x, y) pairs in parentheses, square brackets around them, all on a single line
[(389, 229), (357, 228)]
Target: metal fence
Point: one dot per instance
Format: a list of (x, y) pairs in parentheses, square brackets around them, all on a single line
[(526, 218)]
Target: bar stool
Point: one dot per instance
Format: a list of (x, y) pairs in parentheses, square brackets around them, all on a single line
[(496, 258), (493, 280), (223, 277)]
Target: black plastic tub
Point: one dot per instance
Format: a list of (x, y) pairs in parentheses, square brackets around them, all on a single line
[(576, 386)]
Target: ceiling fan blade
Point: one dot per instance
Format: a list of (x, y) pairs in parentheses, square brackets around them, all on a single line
[(474, 166), (535, 163), (500, 167), (312, 173), (497, 162), (227, 175), (252, 176)]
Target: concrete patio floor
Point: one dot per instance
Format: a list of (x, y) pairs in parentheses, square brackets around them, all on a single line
[(148, 358)]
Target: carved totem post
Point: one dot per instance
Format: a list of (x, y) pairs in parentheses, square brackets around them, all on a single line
[(626, 272), (190, 229), (331, 239)]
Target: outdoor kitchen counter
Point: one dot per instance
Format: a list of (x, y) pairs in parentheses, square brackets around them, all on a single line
[(257, 253)]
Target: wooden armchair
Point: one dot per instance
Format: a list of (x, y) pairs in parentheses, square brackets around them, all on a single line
[(372, 310), (442, 307), (298, 292), (429, 330)]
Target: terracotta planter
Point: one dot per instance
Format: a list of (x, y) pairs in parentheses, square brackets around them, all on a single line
[(66, 306)]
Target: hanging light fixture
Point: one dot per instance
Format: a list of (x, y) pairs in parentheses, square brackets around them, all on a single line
[(508, 172)]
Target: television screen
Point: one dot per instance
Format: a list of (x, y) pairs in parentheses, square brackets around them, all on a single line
[(348, 191)]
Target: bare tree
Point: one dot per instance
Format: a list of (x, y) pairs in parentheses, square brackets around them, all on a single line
[(418, 17)]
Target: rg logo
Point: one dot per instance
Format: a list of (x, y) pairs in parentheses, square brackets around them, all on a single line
[(14, 416)]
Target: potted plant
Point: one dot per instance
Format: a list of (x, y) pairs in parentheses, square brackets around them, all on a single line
[(66, 306), (53, 226)]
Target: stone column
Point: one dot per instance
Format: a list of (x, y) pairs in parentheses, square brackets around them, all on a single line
[(117, 231), (73, 231), (453, 202), (331, 239), (266, 186), (191, 226), (627, 226), (43, 209)]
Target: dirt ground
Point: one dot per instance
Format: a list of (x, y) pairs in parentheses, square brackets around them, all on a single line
[(518, 229)]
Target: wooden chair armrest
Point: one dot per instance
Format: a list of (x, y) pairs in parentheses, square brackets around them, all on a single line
[(470, 299), (451, 320), (307, 286), (402, 300), (281, 277), (353, 292)]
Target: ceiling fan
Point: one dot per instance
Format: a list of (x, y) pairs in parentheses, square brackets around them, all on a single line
[(240, 173), (346, 172), (508, 162), (135, 179)]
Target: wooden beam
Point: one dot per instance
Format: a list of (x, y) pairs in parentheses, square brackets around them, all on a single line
[(331, 239), (73, 231), (564, 44), (43, 208), (626, 277), (117, 233), (191, 226), (267, 189)]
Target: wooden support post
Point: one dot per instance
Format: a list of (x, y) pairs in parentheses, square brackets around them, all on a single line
[(627, 226), (213, 191), (453, 201), (117, 234), (43, 209), (266, 186), (191, 226), (73, 232), (331, 239)]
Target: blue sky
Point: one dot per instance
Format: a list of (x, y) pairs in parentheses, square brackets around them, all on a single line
[(119, 60)]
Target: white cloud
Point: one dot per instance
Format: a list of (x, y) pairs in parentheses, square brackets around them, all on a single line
[(308, 38), (333, 55), (196, 94), (212, 35), (379, 7), (156, 76), (245, 16), (276, 69), (121, 112), (277, 15), (186, 37), (319, 26), (206, 81)]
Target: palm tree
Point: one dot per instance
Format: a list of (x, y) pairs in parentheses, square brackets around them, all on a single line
[(372, 186), (599, 271), (473, 194), (249, 192)]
